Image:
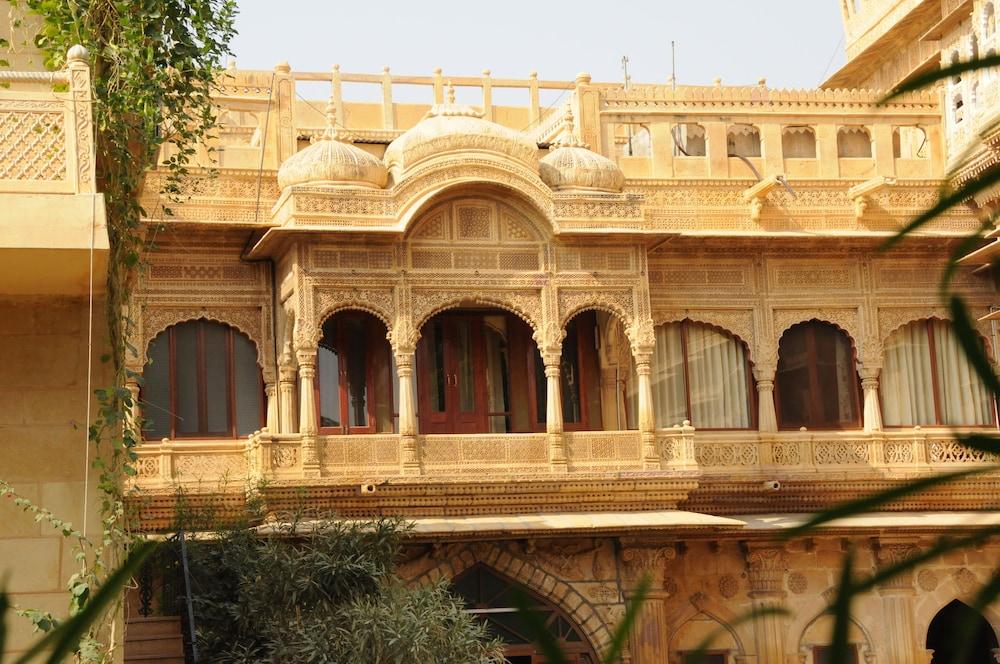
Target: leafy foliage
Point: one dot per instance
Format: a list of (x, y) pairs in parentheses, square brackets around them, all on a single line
[(328, 596)]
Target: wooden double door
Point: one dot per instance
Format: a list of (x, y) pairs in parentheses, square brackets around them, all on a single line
[(451, 375)]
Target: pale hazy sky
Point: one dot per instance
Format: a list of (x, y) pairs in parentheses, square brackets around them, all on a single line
[(794, 43)]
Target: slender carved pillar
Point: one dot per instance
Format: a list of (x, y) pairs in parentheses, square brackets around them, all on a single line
[(307, 411), (553, 410), (766, 418), (766, 563), (899, 636), (286, 399), (271, 392), (647, 416), (872, 409), (407, 411), (135, 413)]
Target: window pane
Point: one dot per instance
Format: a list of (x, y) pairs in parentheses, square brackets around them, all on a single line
[(437, 377), (464, 360), (907, 384), (541, 388), (217, 392), (793, 378), (569, 374), (816, 381), (248, 385), (668, 382), (964, 399), (329, 381), (717, 372), (355, 335), (156, 389), (186, 377), (495, 332)]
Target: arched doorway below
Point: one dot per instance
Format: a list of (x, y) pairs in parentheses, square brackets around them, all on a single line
[(490, 597), (955, 619)]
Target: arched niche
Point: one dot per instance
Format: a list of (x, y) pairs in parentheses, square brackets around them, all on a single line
[(721, 638), (956, 625), (817, 634)]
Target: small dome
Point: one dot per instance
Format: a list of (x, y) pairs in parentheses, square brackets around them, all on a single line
[(333, 159), (450, 127), (572, 165)]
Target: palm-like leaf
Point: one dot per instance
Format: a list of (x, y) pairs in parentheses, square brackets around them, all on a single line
[(944, 73)]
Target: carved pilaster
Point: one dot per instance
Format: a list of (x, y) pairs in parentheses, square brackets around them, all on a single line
[(872, 409), (897, 593), (553, 411), (307, 411), (286, 397), (767, 420), (407, 413), (271, 394), (766, 565)]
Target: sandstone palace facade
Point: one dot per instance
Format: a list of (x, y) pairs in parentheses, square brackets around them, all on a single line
[(593, 332)]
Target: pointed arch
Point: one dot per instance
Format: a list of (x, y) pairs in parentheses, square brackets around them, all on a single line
[(686, 618), (536, 579)]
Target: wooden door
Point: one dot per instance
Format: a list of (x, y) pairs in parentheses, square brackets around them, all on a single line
[(451, 375)]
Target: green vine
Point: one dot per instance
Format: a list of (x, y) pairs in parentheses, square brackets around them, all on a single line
[(154, 65)]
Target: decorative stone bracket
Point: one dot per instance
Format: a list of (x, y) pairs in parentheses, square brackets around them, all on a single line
[(756, 194), (861, 193)]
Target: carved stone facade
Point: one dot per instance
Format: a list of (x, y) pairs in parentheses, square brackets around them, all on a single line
[(465, 224)]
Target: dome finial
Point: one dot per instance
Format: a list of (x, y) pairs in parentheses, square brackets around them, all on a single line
[(567, 137), (331, 117), (451, 93)]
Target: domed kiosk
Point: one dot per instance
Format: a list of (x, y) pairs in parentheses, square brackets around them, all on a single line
[(449, 128), (572, 165), (333, 160)]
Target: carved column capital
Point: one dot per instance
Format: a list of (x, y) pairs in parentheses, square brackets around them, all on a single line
[(890, 552), (306, 358), (639, 561), (766, 566)]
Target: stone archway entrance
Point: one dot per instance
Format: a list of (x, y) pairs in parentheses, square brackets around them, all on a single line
[(950, 622), (489, 596)]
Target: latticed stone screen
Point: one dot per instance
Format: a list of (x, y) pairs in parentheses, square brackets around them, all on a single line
[(32, 145)]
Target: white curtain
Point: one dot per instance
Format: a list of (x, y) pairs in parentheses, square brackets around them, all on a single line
[(907, 386), (964, 399), (717, 378)]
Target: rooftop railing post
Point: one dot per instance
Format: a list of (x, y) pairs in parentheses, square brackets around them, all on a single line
[(438, 87), (487, 95), (388, 118)]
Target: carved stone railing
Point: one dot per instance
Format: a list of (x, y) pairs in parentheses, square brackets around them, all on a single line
[(46, 130), (908, 450), (269, 457)]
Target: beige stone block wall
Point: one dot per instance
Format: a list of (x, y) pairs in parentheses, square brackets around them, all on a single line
[(43, 422)]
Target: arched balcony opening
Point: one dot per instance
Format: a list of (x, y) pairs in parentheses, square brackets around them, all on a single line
[(817, 384), (689, 140), (475, 370), (355, 373), (798, 142), (854, 142), (201, 380), (580, 373), (491, 598), (909, 142), (927, 379), (743, 140), (633, 140), (702, 374), (960, 618)]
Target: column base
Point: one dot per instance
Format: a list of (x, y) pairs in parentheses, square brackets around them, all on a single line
[(409, 460)]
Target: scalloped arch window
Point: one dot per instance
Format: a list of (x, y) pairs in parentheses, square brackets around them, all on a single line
[(816, 385), (201, 381)]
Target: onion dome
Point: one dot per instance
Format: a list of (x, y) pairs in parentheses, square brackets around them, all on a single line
[(573, 165), (450, 127), (333, 159)]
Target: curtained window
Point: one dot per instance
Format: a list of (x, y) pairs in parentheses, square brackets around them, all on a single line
[(926, 379), (354, 376), (816, 385), (201, 380), (702, 375)]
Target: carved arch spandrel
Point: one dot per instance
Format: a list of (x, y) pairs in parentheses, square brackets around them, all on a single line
[(619, 302), (526, 305), (846, 319), (533, 577), (425, 184), (736, 322), (248, 320), (328, 301)]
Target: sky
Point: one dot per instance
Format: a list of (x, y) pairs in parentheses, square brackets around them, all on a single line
[(793, 43)]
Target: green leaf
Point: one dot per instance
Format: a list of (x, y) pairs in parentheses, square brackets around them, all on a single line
[(624, 629)]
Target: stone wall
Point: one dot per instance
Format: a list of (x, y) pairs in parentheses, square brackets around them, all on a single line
[(43, 415)]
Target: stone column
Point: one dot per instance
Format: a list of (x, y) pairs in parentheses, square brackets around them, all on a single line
[(271, 393), (766, 563), (767, 420), (307, 411), (872, 408), (407, 411), (648, 642), (135, 412), (286, 398), (553, 409), (899, 635), (647, 416)]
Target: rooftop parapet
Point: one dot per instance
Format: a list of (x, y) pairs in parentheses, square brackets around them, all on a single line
[(265, 118)]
